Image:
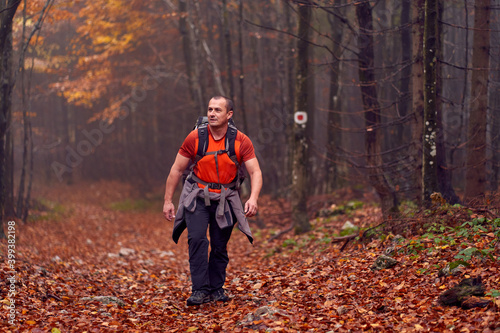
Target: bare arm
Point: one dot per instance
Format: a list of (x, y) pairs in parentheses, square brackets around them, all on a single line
[(180, 164), (255, 173)]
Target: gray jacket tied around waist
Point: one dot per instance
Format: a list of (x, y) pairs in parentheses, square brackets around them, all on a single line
[(227, 199)]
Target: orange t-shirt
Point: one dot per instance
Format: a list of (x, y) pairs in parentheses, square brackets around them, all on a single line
[(206, 169)]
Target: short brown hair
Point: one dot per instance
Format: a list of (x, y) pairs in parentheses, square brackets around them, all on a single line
[(229, 102)]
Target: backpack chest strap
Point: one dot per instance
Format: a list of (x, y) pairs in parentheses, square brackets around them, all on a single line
[(216, 153)]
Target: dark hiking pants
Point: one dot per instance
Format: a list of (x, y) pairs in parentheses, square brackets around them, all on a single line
[(208, 273)]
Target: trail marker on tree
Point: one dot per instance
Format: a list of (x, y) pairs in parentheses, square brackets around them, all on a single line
[(300, 117)]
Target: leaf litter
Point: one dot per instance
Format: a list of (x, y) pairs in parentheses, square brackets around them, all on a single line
[(93, 268)]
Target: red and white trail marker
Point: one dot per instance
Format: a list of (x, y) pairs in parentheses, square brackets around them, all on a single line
[(300, 117)]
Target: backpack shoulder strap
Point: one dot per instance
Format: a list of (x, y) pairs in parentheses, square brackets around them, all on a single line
[(202, 142), (232, 131)]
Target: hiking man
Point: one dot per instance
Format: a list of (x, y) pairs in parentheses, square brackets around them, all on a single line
[(210, 197)]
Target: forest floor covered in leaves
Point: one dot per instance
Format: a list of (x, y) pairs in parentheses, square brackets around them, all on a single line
[(99, 258)]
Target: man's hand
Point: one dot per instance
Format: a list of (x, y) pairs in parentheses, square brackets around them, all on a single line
[(169, 210), (251, 207), (180, 164), (253, 169)]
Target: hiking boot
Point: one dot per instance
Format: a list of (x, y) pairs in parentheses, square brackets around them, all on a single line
[(197, 298), (219, 295)]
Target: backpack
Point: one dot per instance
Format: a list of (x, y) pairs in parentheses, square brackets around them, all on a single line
[(202, 126)]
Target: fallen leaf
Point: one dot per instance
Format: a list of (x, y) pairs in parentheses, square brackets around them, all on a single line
[(257, 286), (328, 303)]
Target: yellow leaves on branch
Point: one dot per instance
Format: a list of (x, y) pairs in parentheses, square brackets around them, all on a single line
[(87, 89), (113, 28), (101, 32), (58, 12)]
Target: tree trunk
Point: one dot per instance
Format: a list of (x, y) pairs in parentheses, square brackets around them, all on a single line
[(417, 93), (290, 61), (495, 112), (228, 48), (7, 11), (189, 48), (215, 68), (404, 100), (300, 145), (9, 208), (334, 140), (280, 110), (26, 137), (475, 175), (429, 162), (26, 206), (443, 172), (241, 101), (373, 140)]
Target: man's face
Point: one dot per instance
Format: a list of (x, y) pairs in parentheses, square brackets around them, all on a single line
[(217, 112)]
